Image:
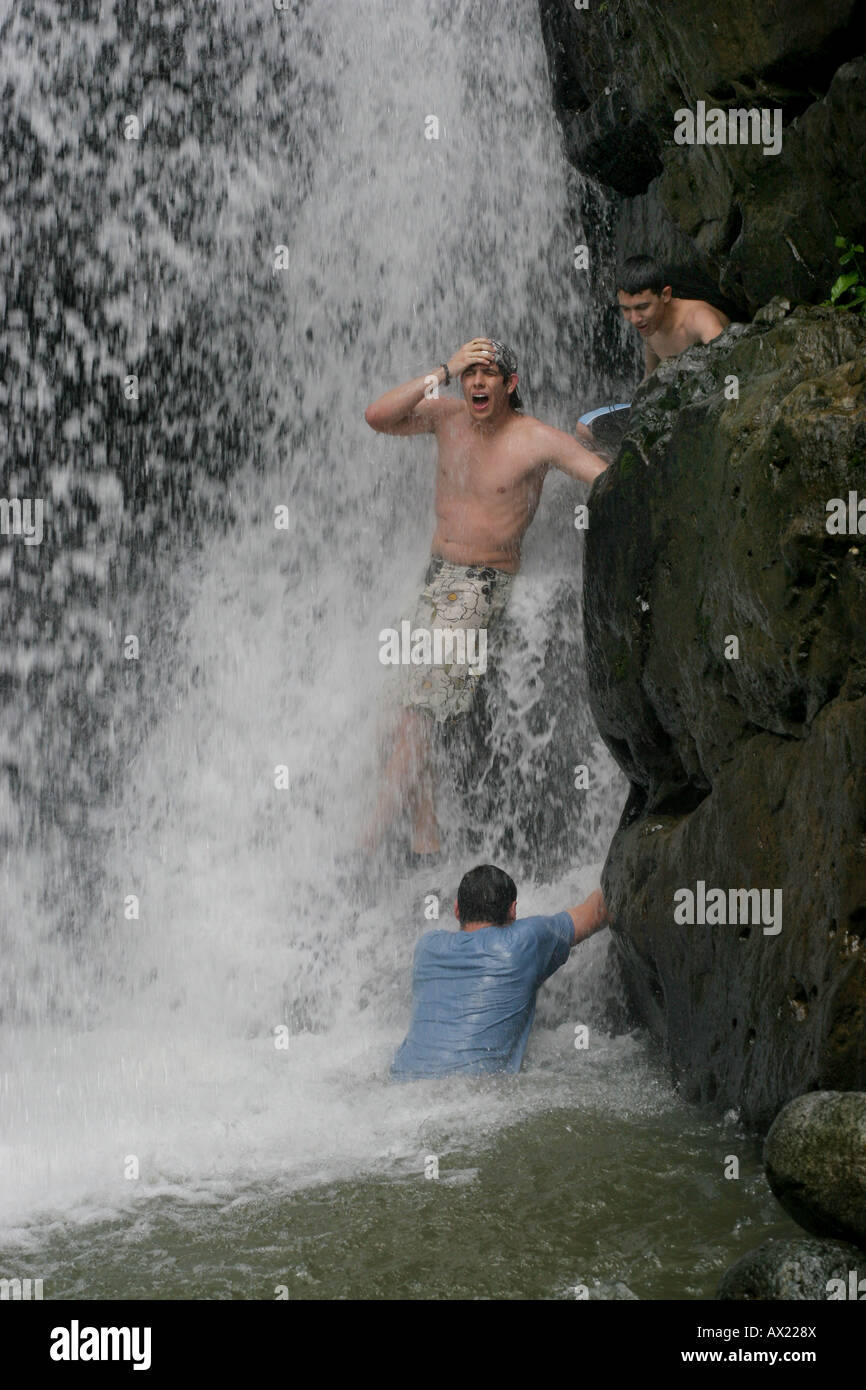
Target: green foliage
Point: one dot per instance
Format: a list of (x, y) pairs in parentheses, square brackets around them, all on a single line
[(849, 289)]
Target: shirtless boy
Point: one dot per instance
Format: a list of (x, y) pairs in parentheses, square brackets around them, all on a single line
[(667, 325), (491, 465)]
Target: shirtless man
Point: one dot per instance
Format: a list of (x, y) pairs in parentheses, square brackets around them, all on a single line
[(491, 465), (667, 325)]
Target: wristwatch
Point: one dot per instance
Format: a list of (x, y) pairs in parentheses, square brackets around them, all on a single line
[(447, 381)]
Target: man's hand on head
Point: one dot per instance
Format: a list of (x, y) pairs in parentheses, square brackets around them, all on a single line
[(478, 350)]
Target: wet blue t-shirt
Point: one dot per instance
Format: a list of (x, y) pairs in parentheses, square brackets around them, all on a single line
[(473, 996)]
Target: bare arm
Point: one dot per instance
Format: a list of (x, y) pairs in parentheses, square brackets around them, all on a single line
[(407, 410), (651, 360), (589, 917), (581, 461)]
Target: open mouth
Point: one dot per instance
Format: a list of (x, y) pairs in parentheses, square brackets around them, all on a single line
[(480, 400)]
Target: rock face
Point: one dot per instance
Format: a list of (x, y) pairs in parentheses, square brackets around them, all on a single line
[(759, 224), (815, 1157), (792, 1269), (726, 660)]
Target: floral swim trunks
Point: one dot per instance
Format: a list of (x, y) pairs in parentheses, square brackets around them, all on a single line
[(457, 606)]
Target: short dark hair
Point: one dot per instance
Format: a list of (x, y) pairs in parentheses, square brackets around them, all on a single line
[(485, 895), (641, 273)]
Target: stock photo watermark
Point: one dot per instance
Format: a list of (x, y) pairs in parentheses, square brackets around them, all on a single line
[(720, 907), (737, 126), (438, 646), (21, 518)]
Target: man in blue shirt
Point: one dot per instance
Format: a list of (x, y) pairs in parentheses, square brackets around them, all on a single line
[(473, 991)]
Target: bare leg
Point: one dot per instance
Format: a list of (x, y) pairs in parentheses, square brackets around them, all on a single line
[(407, 782), (425, 830)]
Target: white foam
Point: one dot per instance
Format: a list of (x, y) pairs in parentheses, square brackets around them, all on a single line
[(153, 1039)]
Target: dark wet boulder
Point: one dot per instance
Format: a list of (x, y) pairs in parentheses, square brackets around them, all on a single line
[(793, 1269), (815, 1157), (726, 664), (759, 223)]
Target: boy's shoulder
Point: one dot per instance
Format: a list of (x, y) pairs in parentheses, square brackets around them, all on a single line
[(697, 313)]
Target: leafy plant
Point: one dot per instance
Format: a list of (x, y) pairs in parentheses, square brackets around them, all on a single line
[(849, 290)]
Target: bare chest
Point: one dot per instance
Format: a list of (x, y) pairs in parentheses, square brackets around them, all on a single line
[(472, 465), (673, 340)]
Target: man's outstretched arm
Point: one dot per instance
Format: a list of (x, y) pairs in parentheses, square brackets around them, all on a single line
[(589, 917), (404, 409), (651, 360), (577, 460)]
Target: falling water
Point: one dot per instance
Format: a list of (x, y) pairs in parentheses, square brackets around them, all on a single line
[(234, 1037)]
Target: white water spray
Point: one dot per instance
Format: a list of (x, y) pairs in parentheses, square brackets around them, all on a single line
[(241, 1026)]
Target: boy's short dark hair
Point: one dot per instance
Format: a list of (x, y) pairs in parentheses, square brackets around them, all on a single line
[(639, 273), (485, 895)]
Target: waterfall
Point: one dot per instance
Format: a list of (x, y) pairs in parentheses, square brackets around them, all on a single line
[(406, 156)]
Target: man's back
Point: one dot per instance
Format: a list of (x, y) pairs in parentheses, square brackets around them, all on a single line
[(473, 996)]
